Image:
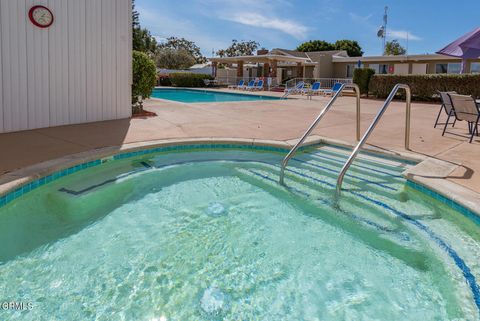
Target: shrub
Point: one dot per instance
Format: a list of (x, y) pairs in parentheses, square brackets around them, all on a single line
[(187, 79), (361, 77), (144, 76), (425, 87)]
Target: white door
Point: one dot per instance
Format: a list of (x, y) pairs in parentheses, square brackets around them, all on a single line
[(419, 69), (401, 69)]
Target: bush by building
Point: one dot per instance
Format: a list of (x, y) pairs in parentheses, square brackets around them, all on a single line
[(187, 79), (144, 77), (361, 77), (425, 87)]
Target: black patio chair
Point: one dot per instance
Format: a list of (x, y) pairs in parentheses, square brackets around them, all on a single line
[(446, 106), (464, 108)]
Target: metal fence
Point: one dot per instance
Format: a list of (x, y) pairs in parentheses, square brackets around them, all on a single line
[(325, 82), (233, 81)]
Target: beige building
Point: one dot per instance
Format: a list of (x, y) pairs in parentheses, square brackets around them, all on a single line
[(282, 64)]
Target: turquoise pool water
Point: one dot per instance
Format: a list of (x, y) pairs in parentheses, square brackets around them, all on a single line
[(210, 235), (204, 96)]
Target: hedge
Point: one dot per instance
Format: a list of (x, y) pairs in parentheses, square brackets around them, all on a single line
[(186, 79), (361, 77), (425, 87)]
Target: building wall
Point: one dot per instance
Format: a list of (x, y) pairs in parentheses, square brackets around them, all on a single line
[(77, 70)]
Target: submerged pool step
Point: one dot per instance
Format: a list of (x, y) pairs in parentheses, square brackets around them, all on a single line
[(354, 211), (355, 176), (337, 160)]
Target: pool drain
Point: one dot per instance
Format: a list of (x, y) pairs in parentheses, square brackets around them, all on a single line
[(216, 209)]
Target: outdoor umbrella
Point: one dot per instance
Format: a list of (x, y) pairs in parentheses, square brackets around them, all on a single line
[(465, 47)]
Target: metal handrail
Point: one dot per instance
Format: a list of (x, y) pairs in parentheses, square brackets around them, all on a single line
[(372, 127), (315, 123)]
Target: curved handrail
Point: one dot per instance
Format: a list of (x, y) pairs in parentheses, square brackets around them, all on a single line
[(315, 123), (372, 127)]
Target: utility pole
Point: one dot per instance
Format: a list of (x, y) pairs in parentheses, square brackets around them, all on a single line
[(385, 19), (382, 32)]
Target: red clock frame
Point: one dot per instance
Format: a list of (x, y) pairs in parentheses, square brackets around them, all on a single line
[(30, 15)]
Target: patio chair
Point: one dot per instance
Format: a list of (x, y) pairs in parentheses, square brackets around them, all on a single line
[(314, 89), (335, 88), (250, 85), (446, 106), (240, 85), (295, 90), (464, 108), (258, 86)]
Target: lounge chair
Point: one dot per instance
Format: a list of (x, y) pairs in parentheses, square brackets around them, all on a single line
[(336, 87), (250, 85), (446, 106), (314, 89), (464, 108), (295, 90), (258, 86), (240, 85)]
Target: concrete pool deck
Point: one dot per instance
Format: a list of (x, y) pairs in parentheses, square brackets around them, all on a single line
[(277, 120)]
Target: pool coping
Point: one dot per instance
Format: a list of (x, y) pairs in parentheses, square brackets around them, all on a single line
[(16, 183), (274, 96)]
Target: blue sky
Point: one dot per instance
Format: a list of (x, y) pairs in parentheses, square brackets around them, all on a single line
[(212, 24)]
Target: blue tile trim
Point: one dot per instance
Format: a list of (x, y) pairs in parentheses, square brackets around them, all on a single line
[(5, 199), (447, 201)]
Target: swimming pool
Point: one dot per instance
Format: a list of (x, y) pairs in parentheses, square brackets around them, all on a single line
[(204, 96), (206, 233)]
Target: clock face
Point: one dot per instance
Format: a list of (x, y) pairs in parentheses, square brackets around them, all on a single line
[(41, 16)]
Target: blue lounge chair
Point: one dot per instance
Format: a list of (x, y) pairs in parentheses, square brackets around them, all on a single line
[(240, 85), (258, 86), (250, 85), (332, 91), (298, 89), (314, 89)]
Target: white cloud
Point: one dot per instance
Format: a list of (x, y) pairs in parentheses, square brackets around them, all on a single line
[(358, 18), (289, 27), (403, 35)]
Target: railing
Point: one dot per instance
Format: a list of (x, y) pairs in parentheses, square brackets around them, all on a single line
[(233, 81), (372, 127), (295, 148), (325, 82)]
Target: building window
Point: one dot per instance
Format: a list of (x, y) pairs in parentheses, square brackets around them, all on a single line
[(454, 68), (381, 69), (441, 68), (450, 68), (475, 68)]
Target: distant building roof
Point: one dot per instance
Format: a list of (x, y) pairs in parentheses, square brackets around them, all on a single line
[(393, 58), (201, 66)]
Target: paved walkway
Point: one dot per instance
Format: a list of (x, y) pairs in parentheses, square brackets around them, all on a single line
[(277, 120)]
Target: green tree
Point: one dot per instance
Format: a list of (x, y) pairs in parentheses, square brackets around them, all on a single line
[(393, 48), (239, 48), (175, 43), (315, 45), (174, 58), (142, 39), (351, 46), (144, 77)]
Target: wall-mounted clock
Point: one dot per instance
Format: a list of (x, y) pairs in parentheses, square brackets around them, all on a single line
[(41, 16)]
